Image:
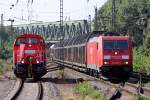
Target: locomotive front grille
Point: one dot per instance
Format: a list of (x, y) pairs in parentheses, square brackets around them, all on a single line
[(30, 51)]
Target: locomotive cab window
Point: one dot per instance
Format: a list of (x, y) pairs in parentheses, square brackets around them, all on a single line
[(26, 41), (32, 40), (121, 45), (115, 44)]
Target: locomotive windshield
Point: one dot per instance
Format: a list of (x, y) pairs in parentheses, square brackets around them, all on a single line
[(26, 41), (115, 44)]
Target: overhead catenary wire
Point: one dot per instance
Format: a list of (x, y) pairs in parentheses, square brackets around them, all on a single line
[(25, 20)]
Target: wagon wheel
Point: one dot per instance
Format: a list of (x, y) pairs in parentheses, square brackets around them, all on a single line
[(95, 73)]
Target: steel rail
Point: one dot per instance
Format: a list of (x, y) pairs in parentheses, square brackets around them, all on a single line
[(144, 75), (134, 74), (123, 88), (21, 83), (40, 91)]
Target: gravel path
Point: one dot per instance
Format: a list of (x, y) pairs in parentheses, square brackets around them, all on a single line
[(6, 84), (107, 90), (8, 88), (50, 88), (55, 87), (60, 88), (71, 76), (29, 92), (46, 95)]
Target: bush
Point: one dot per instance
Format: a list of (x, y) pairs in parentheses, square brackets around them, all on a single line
[(82, 88), (5, 53), (5, 66), (1, 66), (141, 60), (86, 90), (97, 96)]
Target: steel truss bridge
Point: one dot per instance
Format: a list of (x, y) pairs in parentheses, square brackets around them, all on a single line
[(51, 30)]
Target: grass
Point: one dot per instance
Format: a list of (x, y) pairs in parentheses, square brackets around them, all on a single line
[(147, 85), (141, 98), (5, 66), (141, 62), (1, 66), (87, 92)]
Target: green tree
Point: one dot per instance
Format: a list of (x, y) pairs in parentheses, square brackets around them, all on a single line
[(131, 19), (3, 36)]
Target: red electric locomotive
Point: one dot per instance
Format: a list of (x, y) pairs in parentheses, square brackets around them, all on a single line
[(96, 53), (110, 55), (29, 56)]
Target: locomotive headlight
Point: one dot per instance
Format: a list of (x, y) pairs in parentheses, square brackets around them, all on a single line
[(126, 62), (105, 62), (22, 61), (107, 56), (125, 56), (37, 62)]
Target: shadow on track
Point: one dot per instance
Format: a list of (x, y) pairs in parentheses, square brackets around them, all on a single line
[(61, 81)]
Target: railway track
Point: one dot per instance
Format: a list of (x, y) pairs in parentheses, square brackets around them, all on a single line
[(144, 91), (143, 76), (21, 87), (130, 88), (125, 87), (40, 91)]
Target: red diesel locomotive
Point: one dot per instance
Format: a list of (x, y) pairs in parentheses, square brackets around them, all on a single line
[(96, 53), (29, 56)]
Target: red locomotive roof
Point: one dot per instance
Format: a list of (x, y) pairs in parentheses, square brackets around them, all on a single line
[(29, 35)]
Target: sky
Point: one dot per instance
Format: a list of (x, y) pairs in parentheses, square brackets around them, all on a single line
[(47, 10)]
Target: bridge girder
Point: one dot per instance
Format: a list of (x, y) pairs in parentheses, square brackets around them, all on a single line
[(51, 30)]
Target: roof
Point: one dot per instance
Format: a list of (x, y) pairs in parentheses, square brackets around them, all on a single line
[(29, 35), (83, 38)]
